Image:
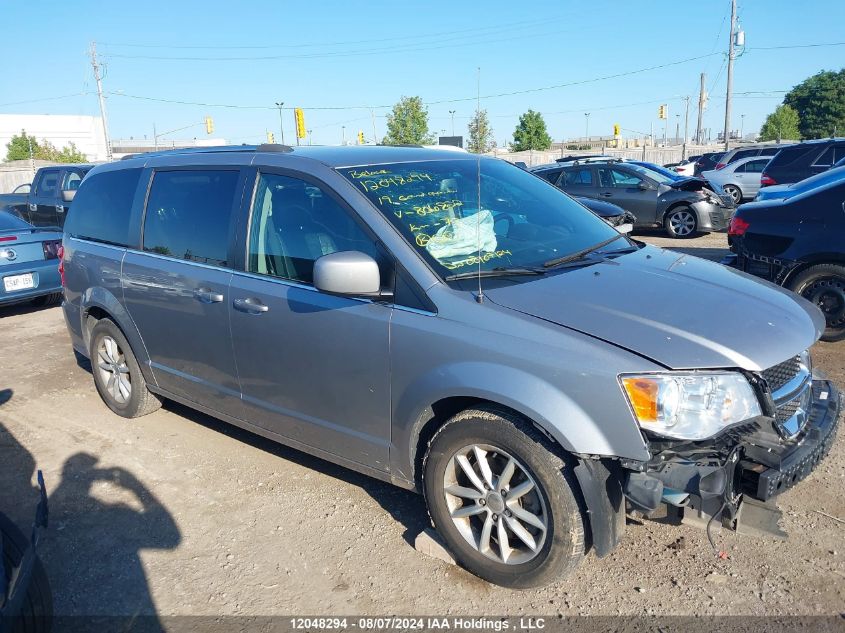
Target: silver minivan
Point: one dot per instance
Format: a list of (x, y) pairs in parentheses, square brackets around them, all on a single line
[(456, 326)]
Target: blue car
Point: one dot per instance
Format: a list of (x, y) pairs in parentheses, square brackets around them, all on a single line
[(29, 262), (784, 192)]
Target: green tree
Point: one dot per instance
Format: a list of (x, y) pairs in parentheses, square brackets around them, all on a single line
[(19, 146), (480, 133), (407, 124), (531, 133), (781, 124), (70, 154), (820, 104)]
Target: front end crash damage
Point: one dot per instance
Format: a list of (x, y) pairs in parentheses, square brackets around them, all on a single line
[(734, 477)]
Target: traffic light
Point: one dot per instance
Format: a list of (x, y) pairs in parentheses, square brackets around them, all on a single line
[(209, 125), (299, 115), (663, 111), (616, 129), (360, 137), (271, 138)]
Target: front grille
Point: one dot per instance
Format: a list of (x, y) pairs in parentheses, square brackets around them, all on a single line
[(786, 410), (782, 373)]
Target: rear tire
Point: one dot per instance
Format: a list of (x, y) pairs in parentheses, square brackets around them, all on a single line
[(47, 300), (681, 223), (116, 372), (824, 286), (37, 609), (734, 192), (539, 512)]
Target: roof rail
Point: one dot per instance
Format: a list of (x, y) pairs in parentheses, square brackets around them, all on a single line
[(213, 149)]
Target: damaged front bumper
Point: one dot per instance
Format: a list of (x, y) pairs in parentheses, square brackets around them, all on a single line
[(748, 465)]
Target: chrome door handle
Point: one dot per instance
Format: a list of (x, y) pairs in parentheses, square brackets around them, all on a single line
[(60, 208), (206, 295), (250, 305), (33, 207)]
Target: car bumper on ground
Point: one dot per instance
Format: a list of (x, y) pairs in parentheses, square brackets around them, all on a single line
[(45, 280)]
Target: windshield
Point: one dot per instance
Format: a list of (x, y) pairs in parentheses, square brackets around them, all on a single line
[(523, 221), (660, 170), (654, 175)]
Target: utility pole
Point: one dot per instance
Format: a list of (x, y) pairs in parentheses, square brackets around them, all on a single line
[(309, 136), (677, 127), (686, 130), (730, 82), (702, 100), (373, 115), (95, 64), (741, 126), (587, 128), (279, 105), (343, 134), (452, 112)]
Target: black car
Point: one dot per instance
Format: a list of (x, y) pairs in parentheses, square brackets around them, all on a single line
[(803, 160), (682, 206), (707, 161), (798, 243), (611, 213)]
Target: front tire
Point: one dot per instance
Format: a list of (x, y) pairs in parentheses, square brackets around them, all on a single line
[(824, 285), (681, 222), (503, 499), (117, 375)]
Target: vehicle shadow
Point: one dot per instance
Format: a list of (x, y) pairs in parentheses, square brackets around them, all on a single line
[(406, 507), (91, 548), (17, 309)]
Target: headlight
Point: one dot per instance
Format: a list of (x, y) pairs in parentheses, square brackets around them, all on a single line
[(690, 406)]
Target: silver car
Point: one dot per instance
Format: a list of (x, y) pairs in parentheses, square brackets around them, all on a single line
[(740, 179), (453, 325)]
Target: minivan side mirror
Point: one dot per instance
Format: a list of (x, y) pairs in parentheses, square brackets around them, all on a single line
[(348, 273), (68, 195)]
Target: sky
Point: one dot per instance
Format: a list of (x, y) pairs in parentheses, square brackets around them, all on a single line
[(345, 63)]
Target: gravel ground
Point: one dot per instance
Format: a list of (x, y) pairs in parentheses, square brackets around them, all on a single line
[(177, 513)]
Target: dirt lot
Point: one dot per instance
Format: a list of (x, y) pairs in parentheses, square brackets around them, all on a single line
[(177, 513)]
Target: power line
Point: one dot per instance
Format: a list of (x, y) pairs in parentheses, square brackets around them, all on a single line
[(75, 94)]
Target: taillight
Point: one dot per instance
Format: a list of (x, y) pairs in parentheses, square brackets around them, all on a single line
[(51, 248), (766, 180), (720, 165), (8, 238), (738, 226), (61, 254)]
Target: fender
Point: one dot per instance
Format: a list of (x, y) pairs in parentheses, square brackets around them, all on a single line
[(99, 297), (551, 410)]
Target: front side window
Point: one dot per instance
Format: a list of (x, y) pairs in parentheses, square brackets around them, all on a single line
[(462, 213), (616, 178), (293, 224), (48, 183), (189, 213), (72, 180)]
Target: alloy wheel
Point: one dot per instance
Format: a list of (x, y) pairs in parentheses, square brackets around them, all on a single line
[(734, 193), (682, 222), (114, 372), (495, 504)]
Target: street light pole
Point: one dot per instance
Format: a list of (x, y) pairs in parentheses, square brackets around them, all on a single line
[(343, 134), (686, 130), (279, 105), (587, 127), (309, 137), (452, 112), (741, 125)]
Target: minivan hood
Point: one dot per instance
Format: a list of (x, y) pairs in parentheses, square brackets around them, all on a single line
[(680, 311)]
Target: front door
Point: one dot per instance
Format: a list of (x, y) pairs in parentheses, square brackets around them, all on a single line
[(313, 367), (42, 202), (624, 187), (177, 288)]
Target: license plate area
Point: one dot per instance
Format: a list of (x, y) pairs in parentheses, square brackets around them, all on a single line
[(13, 283)]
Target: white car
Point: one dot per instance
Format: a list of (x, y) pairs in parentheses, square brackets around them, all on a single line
[(686, 168), (740, 179)]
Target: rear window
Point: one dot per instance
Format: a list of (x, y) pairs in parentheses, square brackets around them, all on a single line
[(102, 206), (789, 155)]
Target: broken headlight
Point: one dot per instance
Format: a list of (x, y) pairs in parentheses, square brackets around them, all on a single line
[(690, 406)]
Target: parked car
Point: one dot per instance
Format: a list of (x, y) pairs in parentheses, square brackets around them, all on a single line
[(797, 162), (686, 167), (706, 162), (683, 207), (613, 214), (49, 200), (28, 262), (798, 243), (739, 153), (835, 174), (453, 325), (740, 180), (660, 170), (584, 158)]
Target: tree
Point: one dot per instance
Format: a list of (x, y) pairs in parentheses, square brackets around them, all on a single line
[(531, 133), (18, 147), (820, 104), (480, 133), (70, 154), (781, 124), (407, 124)]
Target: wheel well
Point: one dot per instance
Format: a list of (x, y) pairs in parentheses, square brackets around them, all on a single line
[(677, 205), (92, 315), (788, 279)]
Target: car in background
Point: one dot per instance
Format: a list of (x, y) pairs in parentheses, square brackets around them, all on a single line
[(748, 152), (707, 161), (686, 167), (740, 180), (623, 221), (798, 243), (800, 161), (660, 170), (50, 197), (584, 158), (29, 262), (683, 207), (834, 174)]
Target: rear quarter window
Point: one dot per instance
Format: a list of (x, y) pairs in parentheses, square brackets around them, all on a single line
[(102, 207)]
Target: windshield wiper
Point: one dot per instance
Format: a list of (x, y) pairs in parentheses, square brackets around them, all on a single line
[(501, 271), (558, 261)]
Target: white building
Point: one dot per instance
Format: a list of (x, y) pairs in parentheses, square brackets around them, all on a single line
[(126, 146), (86, 132)]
